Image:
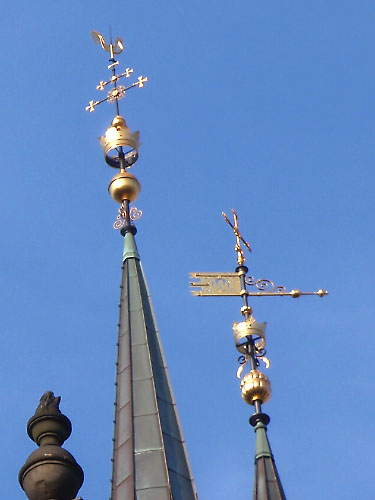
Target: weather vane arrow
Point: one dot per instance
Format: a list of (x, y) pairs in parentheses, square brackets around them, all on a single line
[(235, 284)]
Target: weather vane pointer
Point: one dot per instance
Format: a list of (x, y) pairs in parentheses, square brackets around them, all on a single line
[(239, 238), (117, 92)]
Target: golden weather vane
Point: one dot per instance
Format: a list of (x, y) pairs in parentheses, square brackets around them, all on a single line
[(249, 335), (240, 254), (229, 284), (119, 144), (117, 92)]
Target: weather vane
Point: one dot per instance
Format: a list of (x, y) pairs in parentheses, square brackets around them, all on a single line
[(240, 255), (249, 335), (117, 92), (119, 144)]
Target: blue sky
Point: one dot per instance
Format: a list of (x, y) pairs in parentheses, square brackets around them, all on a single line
[(267, 107)]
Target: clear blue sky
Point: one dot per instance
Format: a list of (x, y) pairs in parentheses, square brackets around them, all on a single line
[(267, 107)]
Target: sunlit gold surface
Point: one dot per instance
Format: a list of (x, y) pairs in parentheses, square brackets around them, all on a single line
[(119, 135), (113, 48), (215, 284), (114, 78), (249, 328), (117, 92), (255, 386), (265, 360), (246, 310), (141, 81), (239, 238), (228, 284), (124, 186)]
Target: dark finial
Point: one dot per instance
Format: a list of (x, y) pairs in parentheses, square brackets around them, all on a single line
[(48, 403), (50, 472), (48, 425)]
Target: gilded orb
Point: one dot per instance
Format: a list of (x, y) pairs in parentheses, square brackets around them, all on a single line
[(118, 121), (124, 186), (255, 386)]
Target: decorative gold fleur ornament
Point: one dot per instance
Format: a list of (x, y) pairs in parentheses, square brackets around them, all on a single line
[(120, 145)]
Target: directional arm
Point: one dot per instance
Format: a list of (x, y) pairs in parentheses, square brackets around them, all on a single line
[(229, 284), (116, 93)]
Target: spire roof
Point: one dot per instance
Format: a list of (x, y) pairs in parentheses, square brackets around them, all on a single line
[(267, 483), (150, 458), (149, 455)]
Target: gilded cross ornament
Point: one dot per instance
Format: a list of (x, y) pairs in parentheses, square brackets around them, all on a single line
[(117, 92)]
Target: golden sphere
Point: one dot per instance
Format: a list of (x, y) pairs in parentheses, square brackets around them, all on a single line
[(124, 186), (118, 121), (255, 386)]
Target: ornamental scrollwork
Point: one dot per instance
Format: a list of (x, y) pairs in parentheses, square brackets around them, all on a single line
[(265, 285), (134, 214)]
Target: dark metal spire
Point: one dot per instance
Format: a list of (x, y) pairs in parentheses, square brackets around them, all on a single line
[(267, 483), (150, 461)]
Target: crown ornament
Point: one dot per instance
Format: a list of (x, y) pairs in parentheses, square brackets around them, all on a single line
[(116, 136), (249, 328)]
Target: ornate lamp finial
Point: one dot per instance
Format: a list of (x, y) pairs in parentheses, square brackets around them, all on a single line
[(119, 144)]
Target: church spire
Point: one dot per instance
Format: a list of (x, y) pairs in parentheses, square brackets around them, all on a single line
[(250, 341), (150, 460)]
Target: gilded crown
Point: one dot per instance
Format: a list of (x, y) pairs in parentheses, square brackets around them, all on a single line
[(119, 135), (245, 329)]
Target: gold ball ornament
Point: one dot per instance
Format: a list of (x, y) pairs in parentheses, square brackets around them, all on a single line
[(255, 386), (118, 121), (124, 186)]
